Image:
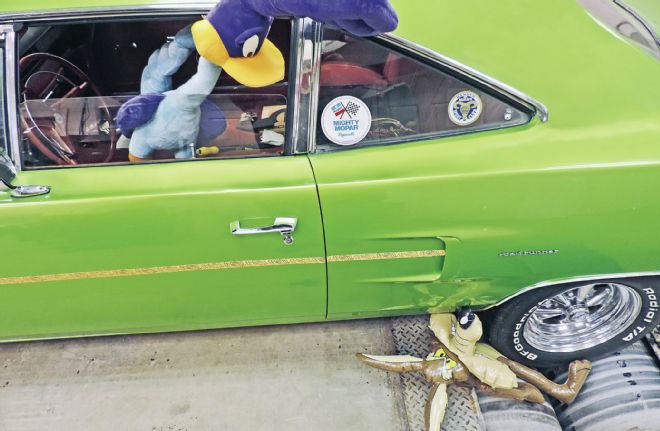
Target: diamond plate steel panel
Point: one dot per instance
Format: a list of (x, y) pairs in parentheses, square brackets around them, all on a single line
[(411, 337)]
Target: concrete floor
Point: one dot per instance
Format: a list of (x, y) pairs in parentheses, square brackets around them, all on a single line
[(301, 377)]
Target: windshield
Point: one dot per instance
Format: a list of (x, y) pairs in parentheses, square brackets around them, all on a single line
[(636, 21)]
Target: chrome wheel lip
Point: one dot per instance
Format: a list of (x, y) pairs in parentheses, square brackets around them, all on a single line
[(582, 317)]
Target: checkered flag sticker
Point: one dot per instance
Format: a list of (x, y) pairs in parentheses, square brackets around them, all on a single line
[(352, 109)]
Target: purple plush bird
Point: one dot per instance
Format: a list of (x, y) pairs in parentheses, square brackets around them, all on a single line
[(234, 34), (233, 38)]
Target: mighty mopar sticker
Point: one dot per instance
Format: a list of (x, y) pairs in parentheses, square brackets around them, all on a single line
[(346, 120)]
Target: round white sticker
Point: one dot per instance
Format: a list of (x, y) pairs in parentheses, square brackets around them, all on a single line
[(346, 120), (465, 108)]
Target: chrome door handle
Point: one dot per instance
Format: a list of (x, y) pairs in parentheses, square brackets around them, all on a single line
[(283, 225)]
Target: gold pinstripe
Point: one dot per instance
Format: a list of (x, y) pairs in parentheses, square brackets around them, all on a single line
[(220, 265), (386, 255)]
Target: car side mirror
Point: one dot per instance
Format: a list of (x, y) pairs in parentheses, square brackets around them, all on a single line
[(7, 175), (7, 170)]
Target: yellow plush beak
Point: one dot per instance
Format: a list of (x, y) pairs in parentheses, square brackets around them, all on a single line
[(208, 43), (263, 69)]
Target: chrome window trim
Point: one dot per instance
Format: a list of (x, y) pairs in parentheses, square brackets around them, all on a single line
[(305, 104), (293, 114), (4, 139), (107, 12), (11, 102), (576, 279), (315, 38), (461, 69)]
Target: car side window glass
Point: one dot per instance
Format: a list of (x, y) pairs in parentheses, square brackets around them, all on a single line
[(371, 94), (96, 93)]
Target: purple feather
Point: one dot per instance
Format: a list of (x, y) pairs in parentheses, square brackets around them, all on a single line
[(137, 111), (237, 20), (360, 17)]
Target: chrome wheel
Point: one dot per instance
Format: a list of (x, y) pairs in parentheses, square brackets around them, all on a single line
[(582, 317)]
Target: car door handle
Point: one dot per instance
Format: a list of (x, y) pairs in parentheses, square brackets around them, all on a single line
[(283, 225)]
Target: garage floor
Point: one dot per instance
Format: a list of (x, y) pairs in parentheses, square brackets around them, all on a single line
[(299, 377)]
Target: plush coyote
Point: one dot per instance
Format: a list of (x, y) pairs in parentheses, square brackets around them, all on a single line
[(459, 359)]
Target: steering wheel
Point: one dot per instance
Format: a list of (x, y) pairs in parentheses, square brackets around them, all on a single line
[(46, 134)]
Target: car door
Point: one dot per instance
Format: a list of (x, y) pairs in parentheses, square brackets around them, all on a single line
[(166, 246), (391, 191)]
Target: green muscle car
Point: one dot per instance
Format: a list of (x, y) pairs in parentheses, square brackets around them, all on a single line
[(502, 155)]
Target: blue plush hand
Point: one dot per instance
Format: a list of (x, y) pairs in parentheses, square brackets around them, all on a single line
[(164, 62), (184, 38)]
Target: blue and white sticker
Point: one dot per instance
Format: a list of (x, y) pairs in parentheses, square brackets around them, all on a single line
[(346, 120), (465, 108)]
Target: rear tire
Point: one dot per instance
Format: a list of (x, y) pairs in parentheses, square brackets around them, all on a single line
[(620, 394), (553, 325)]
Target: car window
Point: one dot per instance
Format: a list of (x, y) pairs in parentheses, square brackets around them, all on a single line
[(370, 94), (83, 99)]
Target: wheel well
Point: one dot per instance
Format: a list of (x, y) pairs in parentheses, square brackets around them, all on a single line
[(644, 277)]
